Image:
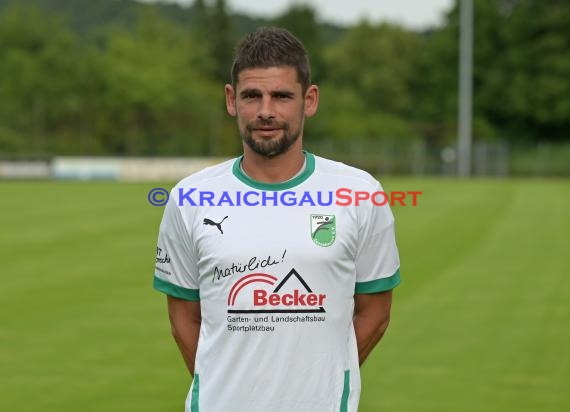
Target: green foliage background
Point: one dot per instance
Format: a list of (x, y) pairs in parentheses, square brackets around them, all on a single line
[(114, 77)]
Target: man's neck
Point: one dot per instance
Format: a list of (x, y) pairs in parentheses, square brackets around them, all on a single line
[(276, 169)]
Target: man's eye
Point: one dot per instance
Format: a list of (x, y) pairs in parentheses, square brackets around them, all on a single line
[(283, 96)]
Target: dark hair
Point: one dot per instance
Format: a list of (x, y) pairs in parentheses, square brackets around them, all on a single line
[(272, 47)]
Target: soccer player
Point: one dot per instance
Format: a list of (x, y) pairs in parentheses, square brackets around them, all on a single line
[(276, 293)]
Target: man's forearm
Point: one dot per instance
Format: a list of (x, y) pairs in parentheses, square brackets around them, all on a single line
[(368, 334), (371, 319), (185, 320), (187, 340)]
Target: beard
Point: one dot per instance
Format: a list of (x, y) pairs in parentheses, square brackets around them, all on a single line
[(270, 146)]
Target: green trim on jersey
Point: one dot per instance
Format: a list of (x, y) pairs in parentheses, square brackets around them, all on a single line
[(305, 174), (194, 403), (378, 285), (345, 392), (175, 290)]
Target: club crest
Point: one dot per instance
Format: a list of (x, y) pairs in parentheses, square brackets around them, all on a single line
[(323, 229)]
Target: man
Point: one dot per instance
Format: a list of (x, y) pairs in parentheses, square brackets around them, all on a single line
[(276, 290)]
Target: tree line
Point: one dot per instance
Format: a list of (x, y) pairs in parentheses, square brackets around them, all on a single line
[(129, 78)]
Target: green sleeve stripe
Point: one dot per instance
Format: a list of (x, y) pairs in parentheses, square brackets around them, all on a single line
[(175, 290), (378, 285), (195, 402), (345, 392)]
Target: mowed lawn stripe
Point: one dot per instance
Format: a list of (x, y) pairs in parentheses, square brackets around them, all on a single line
[(489, 332), (450, 222), (83, 329), (80, 244)]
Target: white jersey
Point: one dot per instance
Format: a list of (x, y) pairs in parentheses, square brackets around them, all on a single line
[(275, 268)]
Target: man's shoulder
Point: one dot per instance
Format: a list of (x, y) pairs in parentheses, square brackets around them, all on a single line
[(341, 171)]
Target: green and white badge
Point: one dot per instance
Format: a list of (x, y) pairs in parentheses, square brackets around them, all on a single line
[(323, 229)]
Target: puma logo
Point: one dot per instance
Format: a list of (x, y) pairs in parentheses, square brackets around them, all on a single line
[(212, 223)]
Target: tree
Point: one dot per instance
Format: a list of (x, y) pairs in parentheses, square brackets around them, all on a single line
[(377, 63), (301, 20), (39, 55), (521, 66), (529, 70), (155, 99)]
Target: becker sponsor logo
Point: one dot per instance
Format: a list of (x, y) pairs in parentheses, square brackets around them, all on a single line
[(264, 293)]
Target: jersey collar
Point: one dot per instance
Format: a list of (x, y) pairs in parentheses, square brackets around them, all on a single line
[(304, 175)]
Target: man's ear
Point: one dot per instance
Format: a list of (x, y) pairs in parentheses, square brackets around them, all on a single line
[(230, 100), (311, 100)]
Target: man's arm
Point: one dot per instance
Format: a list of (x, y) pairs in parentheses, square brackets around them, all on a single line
[(371, 318), (185, 319)]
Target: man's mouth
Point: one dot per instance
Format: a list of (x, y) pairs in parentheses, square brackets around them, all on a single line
[(266, 126), (266, 129), (266, 132)]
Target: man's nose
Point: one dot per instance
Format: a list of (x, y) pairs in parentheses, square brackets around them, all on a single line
[(266, 109)]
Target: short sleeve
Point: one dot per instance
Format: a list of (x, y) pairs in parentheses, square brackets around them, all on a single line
[(176, 271), (377, 259)]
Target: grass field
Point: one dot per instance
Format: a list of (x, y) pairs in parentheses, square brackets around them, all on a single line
[(481, 321)]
